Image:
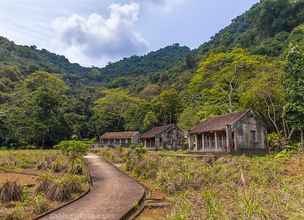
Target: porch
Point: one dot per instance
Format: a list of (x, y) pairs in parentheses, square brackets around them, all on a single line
[(116, 142), (211, 141), (150, 142)]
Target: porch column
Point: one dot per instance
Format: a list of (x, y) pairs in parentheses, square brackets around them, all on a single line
[(196, 143), (228, 138), (216, 141), (203, 142), (145, 143)]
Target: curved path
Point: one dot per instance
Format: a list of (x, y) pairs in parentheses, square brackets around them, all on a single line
[(112, 195)]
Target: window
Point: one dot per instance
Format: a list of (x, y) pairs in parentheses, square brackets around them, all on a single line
[(254, 136)]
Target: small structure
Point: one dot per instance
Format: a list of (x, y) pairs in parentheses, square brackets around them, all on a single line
[(167, 137), (240, 131), (116, 139)]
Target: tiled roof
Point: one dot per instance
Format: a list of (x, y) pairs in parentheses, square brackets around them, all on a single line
[(156, 130), (119, 135), (217, 123)]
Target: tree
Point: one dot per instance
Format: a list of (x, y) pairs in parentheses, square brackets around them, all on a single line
[(167, 106), (294, 86), (110, 112), (35, 115), (221, 79), (188, 118), (266, 96), (150, 120)]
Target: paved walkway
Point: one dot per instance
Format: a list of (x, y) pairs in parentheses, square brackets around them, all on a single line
[(113, 194)]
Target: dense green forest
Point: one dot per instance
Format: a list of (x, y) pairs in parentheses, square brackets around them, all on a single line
[(256, 62)]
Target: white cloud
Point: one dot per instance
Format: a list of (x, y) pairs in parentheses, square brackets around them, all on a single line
[(166, 5), (97, 39)]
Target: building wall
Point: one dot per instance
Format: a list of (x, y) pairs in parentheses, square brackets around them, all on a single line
[(136, 139), (171, 139), (249, 133)]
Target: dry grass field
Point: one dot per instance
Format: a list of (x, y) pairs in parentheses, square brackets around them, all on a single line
[(35, 181), (229, 187)]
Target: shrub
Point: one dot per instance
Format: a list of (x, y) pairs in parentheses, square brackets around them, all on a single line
[(63, 188), (77, 167), (40, 204), (135, 155), (10, 191), (276, 141), (45, 183), (58, 165), (73, 148)]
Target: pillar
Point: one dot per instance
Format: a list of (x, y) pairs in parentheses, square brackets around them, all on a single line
[(189, 142), (229, 138), (216, 141), (196, 142), (203, 142), (145, 143)]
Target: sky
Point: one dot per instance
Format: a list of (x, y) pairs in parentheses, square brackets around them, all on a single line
[(96, 32)]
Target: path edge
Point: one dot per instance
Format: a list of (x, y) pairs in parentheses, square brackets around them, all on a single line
[(139, 207), (70, 202)]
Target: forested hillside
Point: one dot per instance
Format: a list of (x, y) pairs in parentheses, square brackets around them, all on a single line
[(256, 62), (266, 29)]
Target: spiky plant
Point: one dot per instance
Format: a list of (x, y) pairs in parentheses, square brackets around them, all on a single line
[(10, 191), (44, 185)]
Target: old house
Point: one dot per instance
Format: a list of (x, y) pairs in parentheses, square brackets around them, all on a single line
[(167, 137), (115, 139), (233, 132)]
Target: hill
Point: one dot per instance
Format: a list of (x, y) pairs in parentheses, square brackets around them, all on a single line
[(266, 29), (29, 59)]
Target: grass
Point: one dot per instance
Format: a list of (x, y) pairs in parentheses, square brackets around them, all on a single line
[(52, 179), (231, 187)]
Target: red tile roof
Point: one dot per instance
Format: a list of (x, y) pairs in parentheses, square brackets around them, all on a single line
[(156, 130), (218, 123), (119, 135)]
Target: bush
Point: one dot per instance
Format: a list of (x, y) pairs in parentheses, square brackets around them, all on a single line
[(58, 165), (73, 148), (46, 181), (135, 155), (40, 204), (60, 189), (77, 167), (10, 191), (276, 141)]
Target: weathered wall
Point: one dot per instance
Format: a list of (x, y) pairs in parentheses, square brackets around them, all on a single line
[(243, 133)]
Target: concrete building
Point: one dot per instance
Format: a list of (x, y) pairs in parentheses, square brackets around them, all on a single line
[(240, 131), (116, 139), (164, 137)]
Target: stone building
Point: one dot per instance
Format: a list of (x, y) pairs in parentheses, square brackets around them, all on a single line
[(116, 139), (166, 137), (240, 131)]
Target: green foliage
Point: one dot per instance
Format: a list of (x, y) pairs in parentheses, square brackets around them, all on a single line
[(275, 141), (232, 81), (73, 148), (40, 204), (263, 29), (294, 84), (150, 120)]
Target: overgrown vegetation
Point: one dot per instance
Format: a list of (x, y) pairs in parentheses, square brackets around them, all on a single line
[(47, 179), (229, 187)]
